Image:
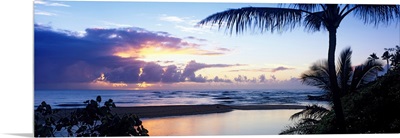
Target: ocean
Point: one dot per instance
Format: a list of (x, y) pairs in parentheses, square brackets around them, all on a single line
[(126, 98)]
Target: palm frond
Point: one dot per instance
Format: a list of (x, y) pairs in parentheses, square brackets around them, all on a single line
[(314, 112), (344, 69), (377, 14), (317, 76), (373, 56), (365, 73), (314, 21), (371, 67), (264, 19), (303, 126), (386, 55), (308, 7)]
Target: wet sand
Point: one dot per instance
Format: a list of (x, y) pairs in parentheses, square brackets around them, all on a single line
[(181, 110)]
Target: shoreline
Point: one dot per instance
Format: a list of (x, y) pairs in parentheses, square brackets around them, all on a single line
[(183, 110)]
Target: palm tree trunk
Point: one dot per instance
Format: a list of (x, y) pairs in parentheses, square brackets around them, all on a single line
[(337, 104), (387, 64)]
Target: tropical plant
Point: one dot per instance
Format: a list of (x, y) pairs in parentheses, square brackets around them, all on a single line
[(314, 17), (349, 78), (307, 120), (386, 56), (396, 58), (93, 120), (373, 57), (393, 55)]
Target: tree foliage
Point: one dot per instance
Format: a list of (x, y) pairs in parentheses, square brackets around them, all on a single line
[(371, 109), (308, 120), (93, 120), (348, 78)]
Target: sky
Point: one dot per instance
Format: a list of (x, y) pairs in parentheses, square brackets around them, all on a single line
[(157, 45)]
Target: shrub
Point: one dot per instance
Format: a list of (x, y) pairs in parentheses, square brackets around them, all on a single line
[(93, 120)]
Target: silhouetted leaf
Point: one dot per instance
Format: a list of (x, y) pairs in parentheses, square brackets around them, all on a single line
[(58, 127), (98, 99), (81, 129)]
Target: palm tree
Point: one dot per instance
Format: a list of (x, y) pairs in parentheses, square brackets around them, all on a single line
[(396, 58), (349, 79), (314, 17), (373, 57), (308, 119), (386, 56)]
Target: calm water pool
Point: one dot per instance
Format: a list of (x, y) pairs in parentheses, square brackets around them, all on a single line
[(237, 122)]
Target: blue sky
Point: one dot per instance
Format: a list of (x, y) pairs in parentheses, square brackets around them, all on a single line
[(162, 38)]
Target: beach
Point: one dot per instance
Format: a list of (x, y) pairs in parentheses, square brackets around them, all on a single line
[(180, 110)]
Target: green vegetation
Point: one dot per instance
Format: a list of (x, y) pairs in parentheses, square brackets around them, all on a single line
[(93, 120), (370, 108)]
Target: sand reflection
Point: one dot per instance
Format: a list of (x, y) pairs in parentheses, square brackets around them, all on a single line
[(237, 122)]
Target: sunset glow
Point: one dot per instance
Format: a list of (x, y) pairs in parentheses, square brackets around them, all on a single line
[(144, 85)]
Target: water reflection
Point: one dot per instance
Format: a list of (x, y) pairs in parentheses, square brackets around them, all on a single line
[(237, 122)]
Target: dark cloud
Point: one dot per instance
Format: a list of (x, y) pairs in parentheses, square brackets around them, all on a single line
[(224, 49), (281, 68), (171, 74), (127, 74), (194, 38), (243, 78), (152, 72), (165, 62), (190, 69), (262, 78), (273, 77), (217, 79), (211, 53), (62, 56), (66, 57), (199, 78)]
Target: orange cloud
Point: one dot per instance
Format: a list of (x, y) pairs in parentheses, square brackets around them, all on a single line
[(155, 49)]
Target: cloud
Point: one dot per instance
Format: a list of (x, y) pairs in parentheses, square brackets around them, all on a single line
[(171, 19), (252, 70), (165, 62), (198, 39), (224, 49), (243, 78), (217, 79), (63, 56), (118, 25), (39, 12), (185, 24), (45, 3), (191, 29), (152, 72), (171, 74), (190, 69), (262, 78), (280, 68)]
